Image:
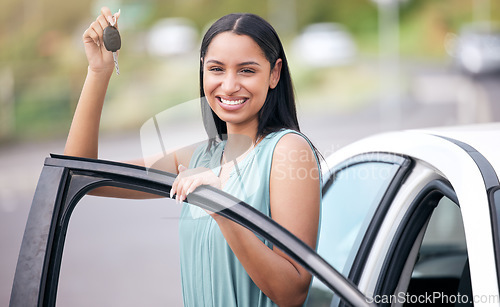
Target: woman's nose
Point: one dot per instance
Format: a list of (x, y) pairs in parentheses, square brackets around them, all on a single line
[(230, 84)]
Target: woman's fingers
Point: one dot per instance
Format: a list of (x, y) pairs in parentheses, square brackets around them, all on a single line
[(112, 19), (189, 185), (182, 184), (194, 184), (106, 12), (98, 30), (173, 191), (188, 180), (90, 35), (183, 187), (103, 23)]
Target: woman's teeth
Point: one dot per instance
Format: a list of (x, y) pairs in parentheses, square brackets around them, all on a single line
[(232, 102)]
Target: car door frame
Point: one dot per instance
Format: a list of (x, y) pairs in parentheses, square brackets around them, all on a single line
[(65, 180)]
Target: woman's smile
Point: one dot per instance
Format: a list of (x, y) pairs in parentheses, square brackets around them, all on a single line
[(232, 101)]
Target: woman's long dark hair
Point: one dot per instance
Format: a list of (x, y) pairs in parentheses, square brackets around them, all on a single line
[(279, 110)]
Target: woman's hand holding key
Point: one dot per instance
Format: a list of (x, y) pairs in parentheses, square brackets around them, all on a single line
[(100, 59)]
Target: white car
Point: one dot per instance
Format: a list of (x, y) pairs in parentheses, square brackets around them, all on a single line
[(412, 217), (408, 218)]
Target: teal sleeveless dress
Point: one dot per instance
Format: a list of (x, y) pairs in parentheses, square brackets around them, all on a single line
[(211, 275)]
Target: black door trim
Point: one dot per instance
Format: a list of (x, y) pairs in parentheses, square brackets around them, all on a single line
[(414, 219), (492, 184)]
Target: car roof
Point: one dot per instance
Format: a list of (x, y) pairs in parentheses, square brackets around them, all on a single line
[(484, 138), (437, 146)]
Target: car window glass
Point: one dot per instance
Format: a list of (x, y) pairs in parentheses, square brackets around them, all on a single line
[(347, 209), (442, 264), (121, 252), (444, 234)]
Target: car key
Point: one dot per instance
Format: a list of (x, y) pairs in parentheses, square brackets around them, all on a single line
[(113, 43)]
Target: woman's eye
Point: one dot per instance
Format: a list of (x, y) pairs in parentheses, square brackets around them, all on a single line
[(215, 69), (247, 71)]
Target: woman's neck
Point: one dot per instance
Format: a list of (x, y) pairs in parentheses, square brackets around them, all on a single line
[(238, 133), (240, 140)]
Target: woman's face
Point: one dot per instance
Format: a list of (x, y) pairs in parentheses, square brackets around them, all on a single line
[(237, 77)]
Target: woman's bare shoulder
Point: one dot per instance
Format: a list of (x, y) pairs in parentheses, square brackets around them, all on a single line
[(294, 147)]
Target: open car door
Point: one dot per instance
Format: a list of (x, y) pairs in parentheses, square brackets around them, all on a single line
[(65, 180)]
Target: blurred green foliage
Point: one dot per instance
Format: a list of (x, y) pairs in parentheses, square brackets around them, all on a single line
[(41, 50)]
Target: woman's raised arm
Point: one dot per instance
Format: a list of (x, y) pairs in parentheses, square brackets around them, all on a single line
[(83, 135)]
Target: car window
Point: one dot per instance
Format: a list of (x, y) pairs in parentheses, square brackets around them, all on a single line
[(348, 207), (442, 265), (121, 252)]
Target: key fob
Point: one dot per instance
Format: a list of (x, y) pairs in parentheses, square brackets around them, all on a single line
[(111, 38)]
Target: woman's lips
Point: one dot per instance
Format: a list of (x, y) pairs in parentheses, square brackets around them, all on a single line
[(231, 104)]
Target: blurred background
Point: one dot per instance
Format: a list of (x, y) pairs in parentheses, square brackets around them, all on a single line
[(359, 67)]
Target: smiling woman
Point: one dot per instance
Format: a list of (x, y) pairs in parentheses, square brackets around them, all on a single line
[(253, 134), (239, 80)]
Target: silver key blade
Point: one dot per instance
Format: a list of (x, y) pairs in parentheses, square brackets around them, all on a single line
[(115, 59)]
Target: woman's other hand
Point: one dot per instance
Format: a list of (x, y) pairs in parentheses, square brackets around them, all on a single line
[(100, 59), (189, 179)]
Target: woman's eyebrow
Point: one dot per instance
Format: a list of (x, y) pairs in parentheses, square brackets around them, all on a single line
[(249, 63), (240, 64), (215, 62)]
